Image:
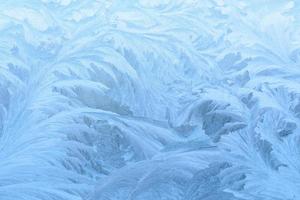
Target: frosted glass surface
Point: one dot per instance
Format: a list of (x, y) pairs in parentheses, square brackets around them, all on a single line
[(149, 100)]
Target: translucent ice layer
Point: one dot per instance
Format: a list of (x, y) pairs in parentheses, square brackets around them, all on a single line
[(149, 100)]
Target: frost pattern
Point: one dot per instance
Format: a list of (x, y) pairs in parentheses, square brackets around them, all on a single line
[(149, 100)]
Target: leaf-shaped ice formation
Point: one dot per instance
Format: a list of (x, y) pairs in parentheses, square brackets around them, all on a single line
[(149, 100)]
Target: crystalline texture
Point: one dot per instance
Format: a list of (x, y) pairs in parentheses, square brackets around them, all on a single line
[(149, 100)]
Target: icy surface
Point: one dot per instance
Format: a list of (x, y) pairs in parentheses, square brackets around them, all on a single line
[(149, 100)]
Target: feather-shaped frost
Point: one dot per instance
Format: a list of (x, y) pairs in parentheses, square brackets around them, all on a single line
[(149, 99)]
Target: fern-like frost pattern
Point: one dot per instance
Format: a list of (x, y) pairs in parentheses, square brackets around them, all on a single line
[(149, 100)]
